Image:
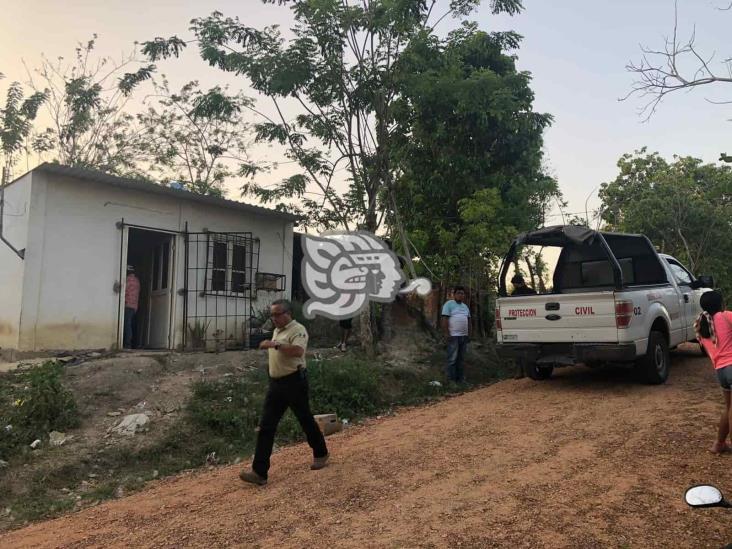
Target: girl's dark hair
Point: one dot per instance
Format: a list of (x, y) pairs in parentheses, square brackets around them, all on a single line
[(711, 302)]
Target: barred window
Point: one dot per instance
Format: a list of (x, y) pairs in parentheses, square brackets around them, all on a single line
[(229, 264)]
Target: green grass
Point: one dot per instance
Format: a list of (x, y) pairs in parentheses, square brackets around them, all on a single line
[(34, 403), (36, 504)]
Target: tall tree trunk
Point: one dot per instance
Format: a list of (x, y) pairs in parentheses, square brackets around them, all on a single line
[(479, 308), (368, 326), (367, 333), (540, 270), (386, 326), (531, 271)]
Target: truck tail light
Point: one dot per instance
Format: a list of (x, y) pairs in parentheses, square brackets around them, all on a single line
[(498, 319), (623, 313)]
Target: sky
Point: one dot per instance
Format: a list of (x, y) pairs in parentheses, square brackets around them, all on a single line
[(576, 51)]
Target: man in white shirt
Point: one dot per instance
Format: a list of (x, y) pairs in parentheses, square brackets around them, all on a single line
[(456, 326)]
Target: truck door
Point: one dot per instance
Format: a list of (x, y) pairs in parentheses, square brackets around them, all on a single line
[(689, 297)]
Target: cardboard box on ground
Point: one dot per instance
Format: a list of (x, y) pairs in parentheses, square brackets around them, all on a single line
[(328, 423)]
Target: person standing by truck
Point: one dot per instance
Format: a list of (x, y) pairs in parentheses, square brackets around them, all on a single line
[(714, 332), (456, 327)]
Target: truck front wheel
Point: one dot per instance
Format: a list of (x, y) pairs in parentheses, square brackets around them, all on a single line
[(653, 367), (536, 372)]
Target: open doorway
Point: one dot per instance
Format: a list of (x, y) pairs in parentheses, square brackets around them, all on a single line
[(151, 255)]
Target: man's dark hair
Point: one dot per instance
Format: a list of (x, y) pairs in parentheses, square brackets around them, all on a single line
[(285, 304), (518, 279), (711, 302), (459, 289)]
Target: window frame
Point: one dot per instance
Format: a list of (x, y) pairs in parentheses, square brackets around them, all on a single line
[(231, 243), (674, 262)]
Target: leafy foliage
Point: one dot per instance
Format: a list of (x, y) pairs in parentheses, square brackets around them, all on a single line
[(340, 73), (684, 207), (196, 137), (38, 405), (469, 155), (348, 387), (91, 126), (16, 122), (128, 82)]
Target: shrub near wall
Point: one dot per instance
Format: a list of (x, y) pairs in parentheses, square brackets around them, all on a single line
[(33, 404)]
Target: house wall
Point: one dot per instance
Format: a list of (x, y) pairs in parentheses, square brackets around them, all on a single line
[(15, 222), (69, 299)]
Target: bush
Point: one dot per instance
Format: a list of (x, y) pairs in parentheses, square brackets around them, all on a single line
[(46, 405), (345, 386), (38, 405), (229, 407)]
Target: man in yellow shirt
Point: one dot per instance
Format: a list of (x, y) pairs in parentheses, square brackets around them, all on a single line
[(288, 387)]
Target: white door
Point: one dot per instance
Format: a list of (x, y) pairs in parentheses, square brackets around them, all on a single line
[(122, 286), (160, 295)]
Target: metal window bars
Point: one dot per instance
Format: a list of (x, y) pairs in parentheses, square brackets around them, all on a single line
[(220, 284)]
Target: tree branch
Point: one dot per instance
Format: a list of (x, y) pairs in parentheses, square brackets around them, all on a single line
[(663, 76)]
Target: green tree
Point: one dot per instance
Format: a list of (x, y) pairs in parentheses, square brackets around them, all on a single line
[(684, 207), (90, 125), (195, 137), (16, 124), (338, 73), (469, 153)]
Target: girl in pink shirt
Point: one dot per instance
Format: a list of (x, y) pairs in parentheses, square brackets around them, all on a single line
[(714, 333)]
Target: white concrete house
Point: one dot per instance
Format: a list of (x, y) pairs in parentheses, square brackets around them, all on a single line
[(206, 265)]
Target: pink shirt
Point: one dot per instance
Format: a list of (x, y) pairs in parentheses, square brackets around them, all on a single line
[(132, 292), (721, 355)]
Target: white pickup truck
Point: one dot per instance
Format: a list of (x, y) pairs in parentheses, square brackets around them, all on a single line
[(613, 298)]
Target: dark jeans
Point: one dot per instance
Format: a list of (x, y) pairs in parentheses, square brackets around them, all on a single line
[(456, 347), (130, 317), (289, 391)]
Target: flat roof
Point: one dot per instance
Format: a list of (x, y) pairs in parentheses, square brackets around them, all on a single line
[(153, 188)]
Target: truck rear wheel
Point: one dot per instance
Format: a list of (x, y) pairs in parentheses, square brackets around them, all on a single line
[(653, 367), (536, 372)]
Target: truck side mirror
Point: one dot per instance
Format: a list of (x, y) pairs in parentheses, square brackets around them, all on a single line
[(703, 281)]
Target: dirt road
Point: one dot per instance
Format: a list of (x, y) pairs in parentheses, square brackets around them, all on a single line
[(586, 459)]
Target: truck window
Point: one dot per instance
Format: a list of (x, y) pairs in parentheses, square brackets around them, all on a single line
[(600, 273), (582, 260), (681, 275), (537, 265)]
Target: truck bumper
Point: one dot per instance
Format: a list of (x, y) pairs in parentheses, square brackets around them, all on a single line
[(568, 353)]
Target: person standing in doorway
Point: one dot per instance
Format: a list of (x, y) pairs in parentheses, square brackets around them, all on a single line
[(456, 326), (132, 301), (288, 388)]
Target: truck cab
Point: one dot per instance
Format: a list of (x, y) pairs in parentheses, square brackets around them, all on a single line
[(611, 298)]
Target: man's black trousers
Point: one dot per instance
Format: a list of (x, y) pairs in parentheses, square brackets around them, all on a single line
[(289, 391)]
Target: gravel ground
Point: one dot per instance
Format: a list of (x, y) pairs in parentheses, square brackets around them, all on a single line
[(589, 458)]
